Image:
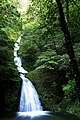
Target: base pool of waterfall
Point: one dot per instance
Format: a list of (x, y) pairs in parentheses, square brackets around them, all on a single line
[(39, 115), (30, 106)]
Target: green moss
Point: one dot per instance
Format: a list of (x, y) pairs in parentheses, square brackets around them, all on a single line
[(74, 108)]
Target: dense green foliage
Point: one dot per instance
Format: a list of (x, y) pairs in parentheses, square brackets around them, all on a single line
[(10, 27), (44, 53)]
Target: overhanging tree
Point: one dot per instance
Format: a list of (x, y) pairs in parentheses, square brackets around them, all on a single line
[(69, 47)]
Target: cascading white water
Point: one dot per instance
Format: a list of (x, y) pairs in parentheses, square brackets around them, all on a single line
[(29, 100), (29, 97)]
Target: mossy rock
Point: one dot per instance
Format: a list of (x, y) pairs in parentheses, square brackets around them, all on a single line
[(49, 92)]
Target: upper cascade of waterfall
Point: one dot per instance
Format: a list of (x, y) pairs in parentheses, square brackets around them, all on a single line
[(29, 100), (17, 59)]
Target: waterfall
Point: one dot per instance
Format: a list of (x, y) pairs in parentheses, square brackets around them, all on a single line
[(30, 107), (29, 97), (29, 100)]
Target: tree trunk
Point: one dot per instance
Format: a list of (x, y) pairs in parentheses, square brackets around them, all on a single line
[(67, 11), (69, 47)]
